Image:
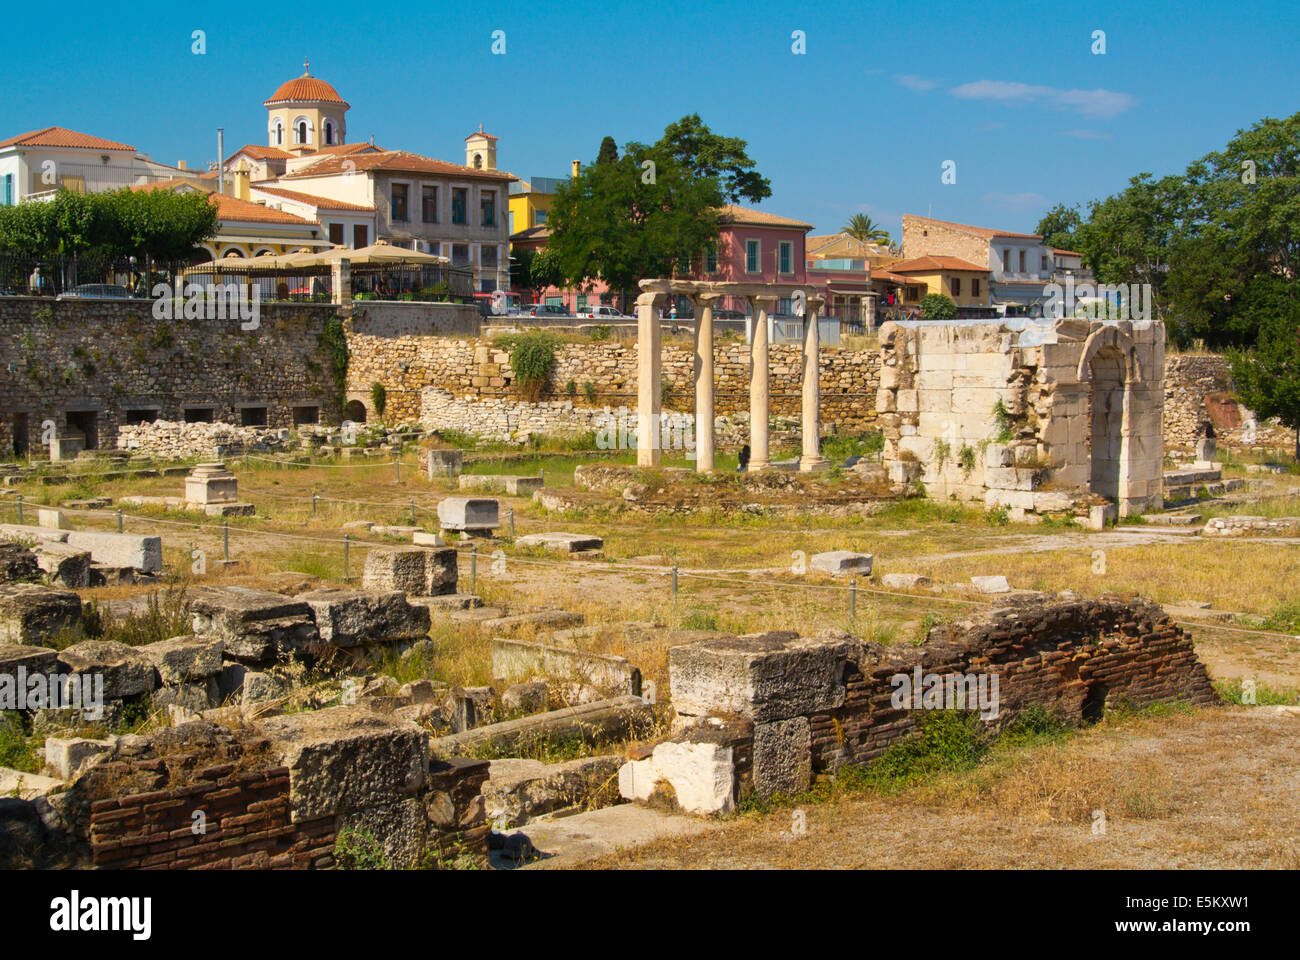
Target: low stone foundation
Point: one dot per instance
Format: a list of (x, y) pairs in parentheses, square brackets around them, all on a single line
[(800, 707)]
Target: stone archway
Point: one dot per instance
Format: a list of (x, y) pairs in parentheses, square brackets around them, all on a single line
[(355, 411)]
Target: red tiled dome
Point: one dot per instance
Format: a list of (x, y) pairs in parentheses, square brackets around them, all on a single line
[(306, 88)]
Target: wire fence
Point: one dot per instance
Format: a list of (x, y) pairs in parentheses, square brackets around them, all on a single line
[(847, 592)]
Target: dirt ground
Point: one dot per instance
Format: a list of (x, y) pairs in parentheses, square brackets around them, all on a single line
[(1224, 794)]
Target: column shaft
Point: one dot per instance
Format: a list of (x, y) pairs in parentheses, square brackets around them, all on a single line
[(812, 393), (758, 388), (704, 458), (648, 370)]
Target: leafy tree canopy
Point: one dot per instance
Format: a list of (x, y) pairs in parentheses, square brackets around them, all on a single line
[(704, 153), (938, 306)]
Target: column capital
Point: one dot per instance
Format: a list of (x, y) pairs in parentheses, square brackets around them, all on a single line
[(763, 301), (651, 298)]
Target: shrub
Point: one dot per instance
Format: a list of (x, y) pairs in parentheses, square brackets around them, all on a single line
[(938, 306), (600, 332), (966, 457), (378, 399), (589, 391), (532, 358), (571, 388)]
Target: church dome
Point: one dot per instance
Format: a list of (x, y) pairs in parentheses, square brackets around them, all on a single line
[(306, 89)]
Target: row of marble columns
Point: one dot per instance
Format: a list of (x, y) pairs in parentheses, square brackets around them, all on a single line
[(649, 377)]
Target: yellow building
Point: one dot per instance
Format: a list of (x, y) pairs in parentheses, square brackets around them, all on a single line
[(965, 282), (530, 201)]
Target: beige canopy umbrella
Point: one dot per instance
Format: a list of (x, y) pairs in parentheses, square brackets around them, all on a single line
[(382, 252)]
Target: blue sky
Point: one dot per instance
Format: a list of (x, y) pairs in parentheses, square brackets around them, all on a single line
[(862, 122)]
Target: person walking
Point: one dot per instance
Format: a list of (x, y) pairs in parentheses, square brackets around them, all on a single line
[(743, 462)]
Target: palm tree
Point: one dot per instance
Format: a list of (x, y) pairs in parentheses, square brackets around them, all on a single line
[(862, 227)]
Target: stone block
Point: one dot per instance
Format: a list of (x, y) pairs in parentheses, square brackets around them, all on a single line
[(18, 564), (996, 584), (782, 756), (30, 658), (343, 759), (413, 570), (65, 565), (422, 538), (31, 613), (1100, 515), (561, 542), (511, 484), (606, 672), (252, 624), (842, 563), (532, 696), (65, 756), (400, 829), (126, 671), (765, 677), (188, 697), (347, 617), (184, 659), (119, 549), (469, 514), (52, 519), (702, 776), (904, 581), (211, 483), (518, 790)]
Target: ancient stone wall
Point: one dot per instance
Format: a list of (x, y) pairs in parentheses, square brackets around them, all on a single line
[(94, 362), (814, 704)]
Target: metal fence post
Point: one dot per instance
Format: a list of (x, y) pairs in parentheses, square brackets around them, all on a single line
[(346, 542), (313, 503), (853, 599), (413, 512), (119, 519), (512, 523), (225, 540), (20, 508)]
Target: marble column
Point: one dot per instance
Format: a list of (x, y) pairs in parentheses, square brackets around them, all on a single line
[(812, 458), (703, 306), (649, 362), (758, 385)]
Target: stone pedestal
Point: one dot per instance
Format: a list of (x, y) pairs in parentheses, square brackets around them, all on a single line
[(211, 483)]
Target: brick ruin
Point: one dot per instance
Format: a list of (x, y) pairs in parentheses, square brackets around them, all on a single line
[(770, 713), (1026, 415)]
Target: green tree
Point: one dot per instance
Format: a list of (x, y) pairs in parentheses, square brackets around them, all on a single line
[(636, 217), (862, 227), (545, 270), (938, 306), (1267, 375), (707, 155), (1059, 225), (608, 151)]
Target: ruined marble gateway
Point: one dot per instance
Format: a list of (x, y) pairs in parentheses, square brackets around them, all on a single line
[(1033, 416)]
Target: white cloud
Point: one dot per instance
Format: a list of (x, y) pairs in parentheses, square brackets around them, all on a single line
[(1089, 103), (913, 82), (1086, 134), (1015, 199)]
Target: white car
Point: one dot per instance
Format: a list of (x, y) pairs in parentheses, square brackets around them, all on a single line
[(601, 313)]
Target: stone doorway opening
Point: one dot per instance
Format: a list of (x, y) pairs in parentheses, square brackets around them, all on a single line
[(1109, 385), (85, 422)]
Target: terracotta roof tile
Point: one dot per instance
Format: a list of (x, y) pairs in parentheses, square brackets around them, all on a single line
[(393, 161), (977, 231), (324, 203), (305, 89), (228, 207), (262, 153), (931, 264), (731, 213), (63, 137)]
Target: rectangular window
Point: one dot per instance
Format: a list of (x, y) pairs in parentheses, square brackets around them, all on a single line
[(136, 415), (459, 254), (975, 286), (429, 204), (711, 259), (459, 202), (954, 284), (9, 190), (787, 256), (360, 236), (252, 416), (1022, 261), (1006, 261), (487, 206), (582, 300), (487, 257), (539, 217), (399, 198), (198, 414), (303, 415), (752, 254), (1044, 261), (336, 234), (554, 302)]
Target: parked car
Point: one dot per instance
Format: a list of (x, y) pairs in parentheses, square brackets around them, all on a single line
[(546, 310), (602, 312), (109, 291), (728, 315)]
